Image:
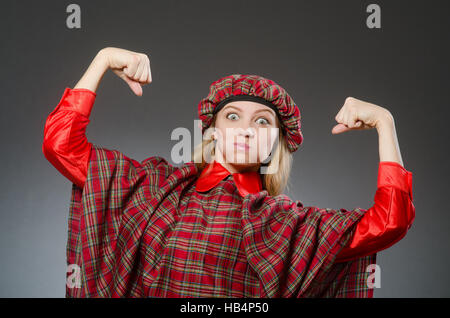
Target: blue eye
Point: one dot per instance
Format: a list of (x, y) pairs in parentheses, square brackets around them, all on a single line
[(231, 115), (265, 121)]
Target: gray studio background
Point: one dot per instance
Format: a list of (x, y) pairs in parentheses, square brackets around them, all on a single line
[(320, 51)]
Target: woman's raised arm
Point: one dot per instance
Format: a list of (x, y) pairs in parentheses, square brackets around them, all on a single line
[(65, 144), (393, 212)]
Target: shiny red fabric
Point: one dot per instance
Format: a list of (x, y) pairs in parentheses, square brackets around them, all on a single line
[(65, 144), (385, 223), (388, 220), (246, 182)]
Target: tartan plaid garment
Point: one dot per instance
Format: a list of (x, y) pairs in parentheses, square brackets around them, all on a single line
[(142, 230)]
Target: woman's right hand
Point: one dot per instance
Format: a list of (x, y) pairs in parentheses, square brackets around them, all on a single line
[(132, 67)]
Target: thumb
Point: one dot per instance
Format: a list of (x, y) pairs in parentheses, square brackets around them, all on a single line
[(135, 86), (339, 128)]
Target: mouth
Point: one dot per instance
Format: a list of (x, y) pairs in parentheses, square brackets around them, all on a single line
[(241, 146)]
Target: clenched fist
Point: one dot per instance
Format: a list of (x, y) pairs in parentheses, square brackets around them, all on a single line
[(132, 67), (357, 114)]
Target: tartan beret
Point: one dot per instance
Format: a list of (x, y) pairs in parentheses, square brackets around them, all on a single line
[(255, 88)]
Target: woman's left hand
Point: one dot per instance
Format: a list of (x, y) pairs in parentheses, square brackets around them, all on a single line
[(357, 114)]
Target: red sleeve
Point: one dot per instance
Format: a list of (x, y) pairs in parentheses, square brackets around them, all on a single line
[(388, 220), (65, 144)]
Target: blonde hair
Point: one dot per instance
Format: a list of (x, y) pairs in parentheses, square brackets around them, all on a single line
[(274, 183)]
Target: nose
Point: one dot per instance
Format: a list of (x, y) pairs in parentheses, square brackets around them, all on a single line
[(250, 131)]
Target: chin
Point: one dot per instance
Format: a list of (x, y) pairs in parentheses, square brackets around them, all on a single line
[(244, 160)]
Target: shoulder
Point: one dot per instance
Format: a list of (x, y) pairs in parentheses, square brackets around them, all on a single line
[(282, 205), (277, 203), (156, 167), (113, 158), (157, 162)]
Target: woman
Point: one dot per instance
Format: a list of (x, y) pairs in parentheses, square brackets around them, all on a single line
[(218, 226)]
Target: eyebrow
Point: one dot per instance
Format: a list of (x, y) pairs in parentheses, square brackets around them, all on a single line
[(258, 111)]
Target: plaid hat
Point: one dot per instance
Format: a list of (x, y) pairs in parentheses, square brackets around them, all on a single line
[(258, 89)]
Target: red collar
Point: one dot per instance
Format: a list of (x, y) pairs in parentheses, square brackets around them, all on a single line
[(214, 172)]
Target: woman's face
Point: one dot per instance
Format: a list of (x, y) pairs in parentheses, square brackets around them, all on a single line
[(245, 133)]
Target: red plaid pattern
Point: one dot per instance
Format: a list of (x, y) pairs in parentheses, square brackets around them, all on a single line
[(139, 229)]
